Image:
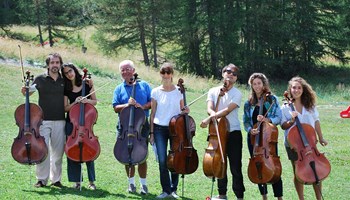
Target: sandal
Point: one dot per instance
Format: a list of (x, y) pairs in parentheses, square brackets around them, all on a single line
[(92, 186)]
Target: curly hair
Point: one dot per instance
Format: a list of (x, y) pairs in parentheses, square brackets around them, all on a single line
[(308, 97), (253, 99)]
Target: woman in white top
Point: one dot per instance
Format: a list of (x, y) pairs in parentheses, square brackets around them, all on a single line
[(305, 109), (167, 101)]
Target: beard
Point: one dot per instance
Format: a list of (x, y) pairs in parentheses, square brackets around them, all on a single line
[(54, 69)]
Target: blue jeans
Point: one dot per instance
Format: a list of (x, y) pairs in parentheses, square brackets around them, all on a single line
[(74, 170), (161, 138)]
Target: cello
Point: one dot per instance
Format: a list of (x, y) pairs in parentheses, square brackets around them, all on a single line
[(215, 160), (131, 147), (182, 157), (311, 167), (29, 146), (265, 165), (82, 145)]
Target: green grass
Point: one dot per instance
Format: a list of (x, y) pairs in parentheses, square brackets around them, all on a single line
[(17, 180)]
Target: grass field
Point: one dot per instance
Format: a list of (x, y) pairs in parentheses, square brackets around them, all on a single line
[(16, 180)]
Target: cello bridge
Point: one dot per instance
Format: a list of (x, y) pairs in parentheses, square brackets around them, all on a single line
[(27, 133)]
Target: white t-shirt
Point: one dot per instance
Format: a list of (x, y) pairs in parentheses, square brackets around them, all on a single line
[(306, 117), (231, 96), (168, 105)]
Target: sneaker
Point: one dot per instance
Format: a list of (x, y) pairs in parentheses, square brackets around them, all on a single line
[(219, 197), (39, 184), (174, 195), (144, 190), (57, 184), (92, 186), (163, 195), (76, 186), (132, 188)]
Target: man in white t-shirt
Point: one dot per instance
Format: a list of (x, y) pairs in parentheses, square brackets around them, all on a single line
[(230, 100)]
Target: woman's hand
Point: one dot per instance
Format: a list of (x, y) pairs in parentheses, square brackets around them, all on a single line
[(323, 142), (80, 99), (254, 131), (151, 139), (294, 115), (185, 110)]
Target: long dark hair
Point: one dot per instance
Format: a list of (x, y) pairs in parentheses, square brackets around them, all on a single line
[(68, 86)]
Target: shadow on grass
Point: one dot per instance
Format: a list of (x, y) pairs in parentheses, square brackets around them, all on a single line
[(56, 192)]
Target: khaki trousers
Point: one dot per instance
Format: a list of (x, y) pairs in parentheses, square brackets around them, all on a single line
[(55, 138)]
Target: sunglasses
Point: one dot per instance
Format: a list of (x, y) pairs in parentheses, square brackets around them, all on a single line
[(165, 72), (231, 72), (68, 65)]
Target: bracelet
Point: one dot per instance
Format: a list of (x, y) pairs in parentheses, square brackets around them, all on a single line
[(151, 133)]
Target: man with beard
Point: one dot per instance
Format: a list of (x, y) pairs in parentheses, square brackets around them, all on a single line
[(50, 86)]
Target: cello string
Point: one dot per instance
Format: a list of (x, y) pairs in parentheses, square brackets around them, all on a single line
[(273, 102)]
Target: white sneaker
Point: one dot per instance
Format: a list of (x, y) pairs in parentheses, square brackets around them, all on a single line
[(132, 188), (163, 195), (144, 190), (173, 194), (219, 197)]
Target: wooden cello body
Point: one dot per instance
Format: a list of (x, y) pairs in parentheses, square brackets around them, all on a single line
[(215, 159), (182, 157), (311, 167), (82, 145), (29, 146), (131, 147), (264, 165)]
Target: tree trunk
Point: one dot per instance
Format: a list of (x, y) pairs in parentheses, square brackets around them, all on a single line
[(213, 39), (142, 35), (194, 42), (154, 38), (49, 21), (37, 5)]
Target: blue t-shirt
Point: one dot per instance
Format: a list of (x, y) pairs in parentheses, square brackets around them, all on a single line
[(123, 92)]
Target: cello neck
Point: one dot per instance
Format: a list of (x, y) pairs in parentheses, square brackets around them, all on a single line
[(27, 104), (261, 112), (300, 128), (82, 105), (187, 121), (132, 108)]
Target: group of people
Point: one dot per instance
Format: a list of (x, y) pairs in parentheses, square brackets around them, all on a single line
[(61, 88)]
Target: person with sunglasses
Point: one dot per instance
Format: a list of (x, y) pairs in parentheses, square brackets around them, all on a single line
[(142, 99), (72, 94), (228, 107), (167, 101)]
